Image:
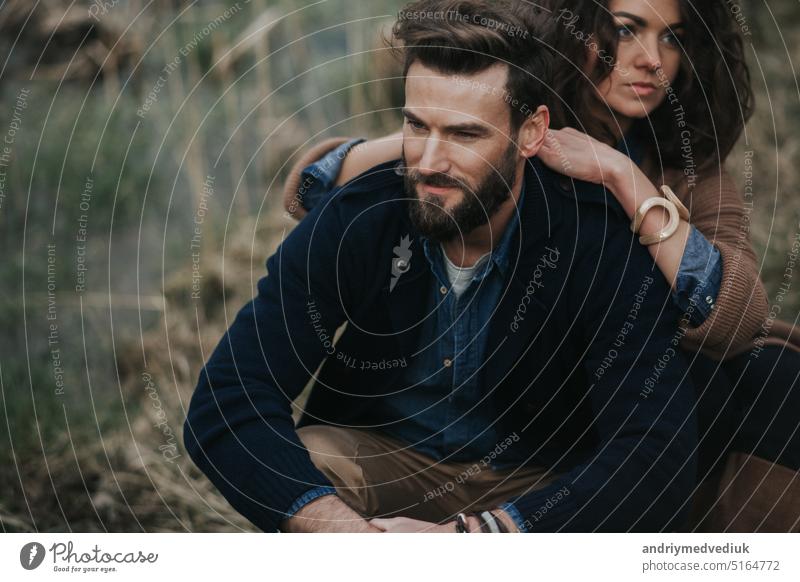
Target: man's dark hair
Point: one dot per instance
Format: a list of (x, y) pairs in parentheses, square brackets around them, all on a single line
[(469, 36)]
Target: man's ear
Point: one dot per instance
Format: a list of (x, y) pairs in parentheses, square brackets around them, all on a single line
[(533, 132)]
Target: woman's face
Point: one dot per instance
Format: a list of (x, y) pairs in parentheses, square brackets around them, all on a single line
[(648, 58)]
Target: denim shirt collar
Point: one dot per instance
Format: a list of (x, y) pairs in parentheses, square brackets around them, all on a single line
[(499, 257)]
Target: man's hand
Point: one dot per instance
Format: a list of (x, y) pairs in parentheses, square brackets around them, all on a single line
[(408, 525), (327, 514), (507, 520)]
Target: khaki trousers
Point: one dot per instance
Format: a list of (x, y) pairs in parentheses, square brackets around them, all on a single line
[(380, 476)]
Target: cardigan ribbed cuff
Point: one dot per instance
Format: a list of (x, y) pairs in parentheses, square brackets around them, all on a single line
[(278, 493), (545, 510), (259, 470)]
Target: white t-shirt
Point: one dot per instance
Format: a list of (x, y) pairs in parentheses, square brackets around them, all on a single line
[(460, 277)]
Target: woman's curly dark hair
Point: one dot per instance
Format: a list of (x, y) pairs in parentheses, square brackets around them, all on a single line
[(713, 83)]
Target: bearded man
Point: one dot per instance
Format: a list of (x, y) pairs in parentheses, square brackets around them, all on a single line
[(479, 383)]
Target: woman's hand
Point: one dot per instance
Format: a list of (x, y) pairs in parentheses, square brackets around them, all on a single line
[(580, 156), (577, 155)]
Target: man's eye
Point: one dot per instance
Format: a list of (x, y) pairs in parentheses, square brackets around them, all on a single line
[(416, 125), (466, 134)]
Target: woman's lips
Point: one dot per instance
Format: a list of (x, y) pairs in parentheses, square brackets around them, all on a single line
[(643, 89)]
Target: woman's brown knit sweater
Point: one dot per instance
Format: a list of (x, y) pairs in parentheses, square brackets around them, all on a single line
[(717, 211)]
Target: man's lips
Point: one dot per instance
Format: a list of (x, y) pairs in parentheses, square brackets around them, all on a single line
[(438, 190)]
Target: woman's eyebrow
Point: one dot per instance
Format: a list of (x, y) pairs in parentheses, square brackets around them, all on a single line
[(639, 21), (636, 19)]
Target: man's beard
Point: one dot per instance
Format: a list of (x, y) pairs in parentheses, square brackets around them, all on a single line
[(477, 204)]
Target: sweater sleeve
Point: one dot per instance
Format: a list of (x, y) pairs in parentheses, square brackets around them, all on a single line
[(642, 470), (239, 428), (720, 214)]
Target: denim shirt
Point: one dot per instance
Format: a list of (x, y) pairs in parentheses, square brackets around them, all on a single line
[(699, 278), (442, 409), (320, 177)]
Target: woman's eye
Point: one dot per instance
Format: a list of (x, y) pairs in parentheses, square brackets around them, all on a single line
[(624, 32), (672, 39)]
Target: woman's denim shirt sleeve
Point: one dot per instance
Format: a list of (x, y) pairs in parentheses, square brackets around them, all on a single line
[(319, 178), (699, 278)]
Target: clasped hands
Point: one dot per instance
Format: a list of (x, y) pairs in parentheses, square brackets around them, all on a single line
[(330, 514)]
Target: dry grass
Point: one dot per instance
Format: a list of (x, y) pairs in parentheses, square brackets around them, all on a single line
[(120, 480)]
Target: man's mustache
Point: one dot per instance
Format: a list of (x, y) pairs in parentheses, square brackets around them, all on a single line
[(437, 180)]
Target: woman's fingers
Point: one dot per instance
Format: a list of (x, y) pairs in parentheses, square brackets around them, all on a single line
[(577, 155)]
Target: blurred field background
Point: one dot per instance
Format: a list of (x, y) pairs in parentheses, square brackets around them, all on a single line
[(134, 123)]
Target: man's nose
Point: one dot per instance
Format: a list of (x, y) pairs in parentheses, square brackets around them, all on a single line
[(434, 157)]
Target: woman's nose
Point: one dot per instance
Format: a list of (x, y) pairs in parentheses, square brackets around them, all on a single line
[(649, 56)]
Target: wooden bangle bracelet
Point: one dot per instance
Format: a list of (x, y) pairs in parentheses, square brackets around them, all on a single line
[(683, 212), (663, 234)]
